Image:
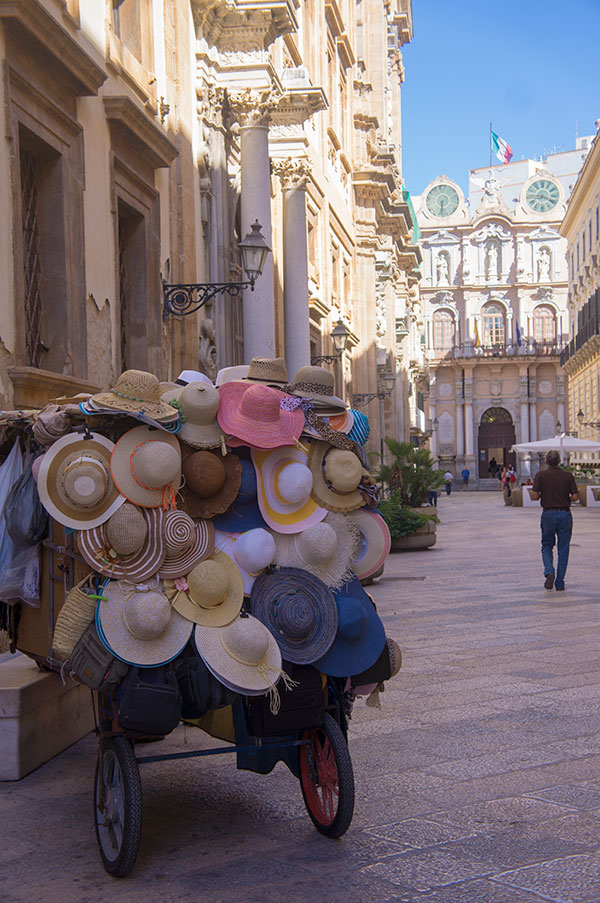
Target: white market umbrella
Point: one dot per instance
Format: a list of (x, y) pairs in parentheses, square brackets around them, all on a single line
[(563, 443)]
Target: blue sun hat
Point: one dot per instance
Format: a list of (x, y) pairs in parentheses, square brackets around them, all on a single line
[(360, 637), (360, 430), (244, 514)]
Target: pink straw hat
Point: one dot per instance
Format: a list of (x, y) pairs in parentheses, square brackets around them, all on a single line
[(253, 414)]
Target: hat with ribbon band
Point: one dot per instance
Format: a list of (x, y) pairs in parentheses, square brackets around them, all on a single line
[(129, 546), (146, 467), (284, 483)]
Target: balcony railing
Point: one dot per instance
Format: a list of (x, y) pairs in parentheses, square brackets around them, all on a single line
[(587, 331), (468, 349)]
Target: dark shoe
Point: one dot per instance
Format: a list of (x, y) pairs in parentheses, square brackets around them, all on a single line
[(549, 581), (559, 588)]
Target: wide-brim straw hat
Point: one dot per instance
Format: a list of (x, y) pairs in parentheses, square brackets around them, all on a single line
[(146, 466), (214, 594), (325, 549), (360, 636), (317, 385), (74, 481), (342, 423), (107, 557), (243, 513), (243, 655), (252, 552), (135, 391), (138, 625), (360, 428), (337, 474), (252, 413), (187, 543), (374, 543), (268, 370), (284, 485), (300, 612), (199, 403), (193, 376), (231, 374), (211, 482)]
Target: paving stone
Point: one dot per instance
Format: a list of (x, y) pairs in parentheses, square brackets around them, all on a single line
[(477, 891), (518, 844), (427, 869), (572, 880), (566, 795)]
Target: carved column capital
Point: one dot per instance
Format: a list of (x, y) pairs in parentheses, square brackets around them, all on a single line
[(294, 172), (252, 107)]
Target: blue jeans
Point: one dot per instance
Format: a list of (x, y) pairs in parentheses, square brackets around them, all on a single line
[(556, 526)]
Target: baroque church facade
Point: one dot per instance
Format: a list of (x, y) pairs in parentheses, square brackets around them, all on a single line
[(495, 310)]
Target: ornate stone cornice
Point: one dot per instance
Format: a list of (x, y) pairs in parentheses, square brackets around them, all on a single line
[(294, 172), (243, 25), (252, 107), (143, 133)]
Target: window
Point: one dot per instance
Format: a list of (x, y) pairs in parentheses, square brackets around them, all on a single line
[(544, 325), (444, 330), (493, 325)]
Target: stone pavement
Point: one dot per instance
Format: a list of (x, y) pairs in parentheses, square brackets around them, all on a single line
[(477, 782)]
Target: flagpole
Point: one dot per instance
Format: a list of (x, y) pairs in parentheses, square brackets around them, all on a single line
[(490, 145)]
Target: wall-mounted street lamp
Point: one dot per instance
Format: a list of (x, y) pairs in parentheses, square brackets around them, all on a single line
[(594, 424), (558, 427), (386, 382), (181, 298), (339, 337)]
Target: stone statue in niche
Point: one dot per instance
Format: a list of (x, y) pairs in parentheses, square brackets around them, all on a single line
[(543, 265), (492, 261), (441, 269)]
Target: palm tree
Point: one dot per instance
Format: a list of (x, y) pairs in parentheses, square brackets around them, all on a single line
[(412, 472)]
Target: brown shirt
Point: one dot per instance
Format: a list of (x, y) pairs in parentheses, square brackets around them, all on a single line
[(555, 487)]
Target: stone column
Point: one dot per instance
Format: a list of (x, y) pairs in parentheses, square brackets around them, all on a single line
[(294, 175), (533, 422), (434, 437), (469, 430), (460, 430), (251, 109), (524, 422)]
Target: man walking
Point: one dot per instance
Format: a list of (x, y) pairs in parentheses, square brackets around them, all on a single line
[(557, 489), (465, 474), (448, 478)]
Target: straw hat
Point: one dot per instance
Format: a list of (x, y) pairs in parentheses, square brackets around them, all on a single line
[(231, 374), (243, 655), (146, 466), (317, 384), (360, 634), (212, 481), (284, 483), (199, 403), (138, 626), (193, 376), (386, 666), (252, 551), (214, 594), (129, 546), (253, 414), (78, 610), (324, 549), (243, 513), (187, 543), (342, 423), (360, 429), (300, 612), (374, 544), (137, 392), (336, 474), (74, 481), (272, 371)]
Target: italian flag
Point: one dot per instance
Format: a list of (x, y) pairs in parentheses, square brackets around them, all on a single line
[(500, 147)]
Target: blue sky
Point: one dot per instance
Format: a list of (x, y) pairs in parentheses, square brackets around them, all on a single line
[(531, 67)]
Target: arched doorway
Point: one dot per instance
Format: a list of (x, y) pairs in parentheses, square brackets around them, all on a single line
[(496, 436)]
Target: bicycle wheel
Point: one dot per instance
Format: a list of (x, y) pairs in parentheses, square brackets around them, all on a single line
[(327, 779), (119, 822)]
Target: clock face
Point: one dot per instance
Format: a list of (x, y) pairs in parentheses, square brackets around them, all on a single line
[(542, 195), (442, 200)]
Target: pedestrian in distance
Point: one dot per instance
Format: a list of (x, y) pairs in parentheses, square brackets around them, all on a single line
[(556, 488), (432, 496), (500, 477), (448, 479), (465, 474)]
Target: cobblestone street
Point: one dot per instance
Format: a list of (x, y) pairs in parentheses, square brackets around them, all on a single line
[(479, 780)]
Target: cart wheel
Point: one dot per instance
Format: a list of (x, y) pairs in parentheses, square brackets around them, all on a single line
[(327, 779), (119, 822)]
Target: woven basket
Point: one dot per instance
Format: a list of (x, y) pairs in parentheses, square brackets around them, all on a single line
[(78, 611)]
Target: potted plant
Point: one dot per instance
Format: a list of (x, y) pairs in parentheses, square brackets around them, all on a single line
[(409, 476)]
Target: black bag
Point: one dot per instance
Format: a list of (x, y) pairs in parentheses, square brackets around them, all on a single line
[(378, 672), (200, 690), (302, 707), (149, 701), (92, 663), (25, 516)]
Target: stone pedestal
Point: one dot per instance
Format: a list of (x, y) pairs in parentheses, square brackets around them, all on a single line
[(39, 717)]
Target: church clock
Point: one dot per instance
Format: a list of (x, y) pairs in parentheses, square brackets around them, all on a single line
[(542, 195), (442, 200)]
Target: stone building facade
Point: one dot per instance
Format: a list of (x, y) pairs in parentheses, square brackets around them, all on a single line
[(495, 317), (581, 356), (142, 139)]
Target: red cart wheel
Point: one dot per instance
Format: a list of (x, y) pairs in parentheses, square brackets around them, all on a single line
[(327, 779)]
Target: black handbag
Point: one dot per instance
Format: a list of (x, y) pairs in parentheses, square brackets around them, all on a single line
[(302, 707), (149, 701), (200, 690)]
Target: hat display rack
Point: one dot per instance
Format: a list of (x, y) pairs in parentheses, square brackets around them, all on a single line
[(226, 530)]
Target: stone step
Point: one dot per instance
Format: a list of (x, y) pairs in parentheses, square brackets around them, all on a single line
[(39, 716)]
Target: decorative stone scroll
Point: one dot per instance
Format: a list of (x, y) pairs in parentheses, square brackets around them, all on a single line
[(294, 172), (252, 107)]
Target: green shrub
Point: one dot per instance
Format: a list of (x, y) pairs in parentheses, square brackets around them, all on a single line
[(402, 520)]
